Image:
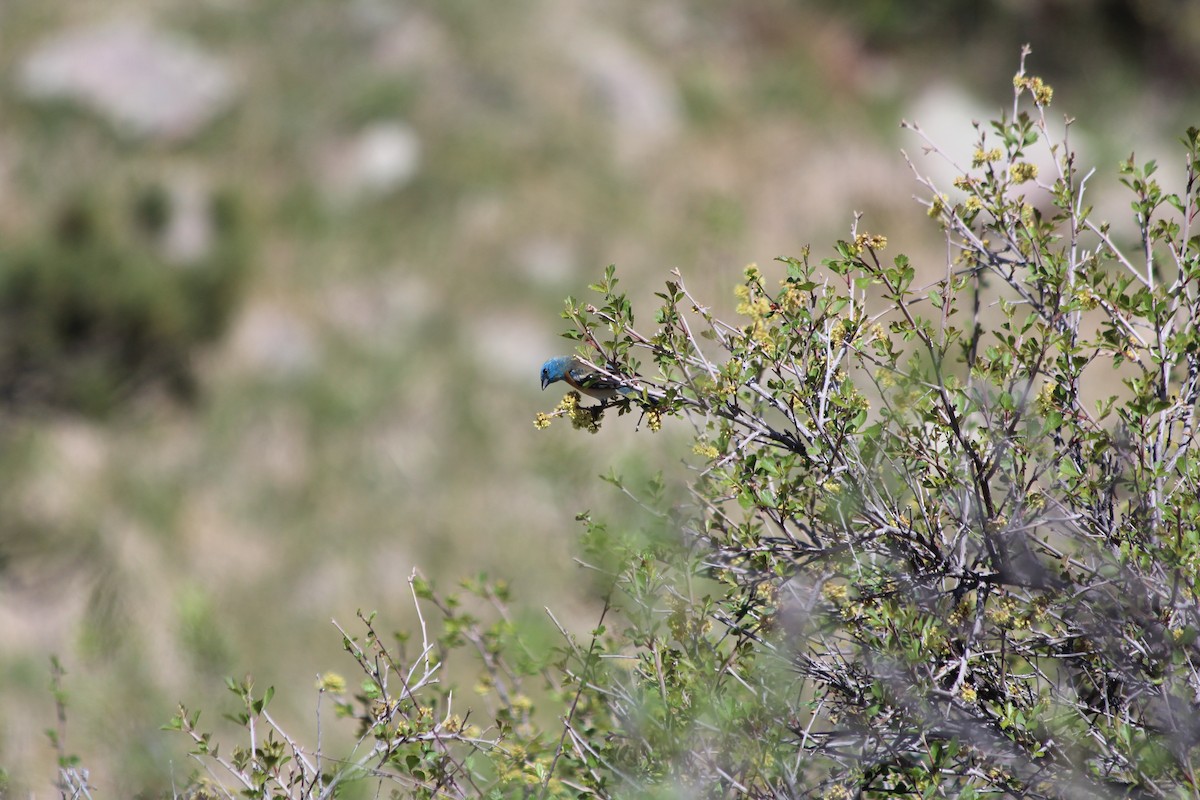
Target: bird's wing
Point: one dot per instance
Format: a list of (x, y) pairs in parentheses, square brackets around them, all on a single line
[(587, 378)]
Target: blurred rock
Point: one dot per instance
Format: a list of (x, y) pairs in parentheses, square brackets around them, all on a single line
[(408, 41), (480, 214), (372, 15), (547, 260), (276, 451), (642, 103), (405, 447), (380, 310), (274, 341), (146, 82), (71, 465), (381, 159), (210, 531), (945, 112), (513, 348), (188, 237), (669, 23)]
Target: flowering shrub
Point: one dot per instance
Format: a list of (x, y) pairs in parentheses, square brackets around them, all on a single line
[(942, 539)]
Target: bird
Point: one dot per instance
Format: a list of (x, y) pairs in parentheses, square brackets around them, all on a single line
[(579, 376)]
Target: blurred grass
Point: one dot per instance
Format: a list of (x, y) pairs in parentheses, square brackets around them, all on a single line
[(371, 410)]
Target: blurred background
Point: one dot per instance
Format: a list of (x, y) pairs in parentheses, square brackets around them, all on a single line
[(276, 280)]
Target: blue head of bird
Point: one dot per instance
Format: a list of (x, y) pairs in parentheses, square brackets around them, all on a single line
[(555, 369)]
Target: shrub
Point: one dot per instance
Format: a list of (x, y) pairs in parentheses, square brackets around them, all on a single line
[(943, 539), (93, 310)]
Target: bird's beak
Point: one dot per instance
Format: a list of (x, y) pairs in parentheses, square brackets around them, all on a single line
[(545, 382)]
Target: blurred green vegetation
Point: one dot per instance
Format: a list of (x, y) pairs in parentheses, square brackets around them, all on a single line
[(1150, 45), (368, 407), (92, 313)]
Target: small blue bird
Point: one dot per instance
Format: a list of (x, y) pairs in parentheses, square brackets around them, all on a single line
[(579, 376)]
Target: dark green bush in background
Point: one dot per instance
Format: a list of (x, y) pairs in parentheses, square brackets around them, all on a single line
[(93, 311)]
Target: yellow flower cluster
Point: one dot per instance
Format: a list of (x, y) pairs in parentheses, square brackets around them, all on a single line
[(767, 592), (530, 773), (843, 330), (586, 418), (1005, 614), (581, 417), (705, 449), (873, 241), (1088, 298), (1042, 92), (982, 156), (790, 299), (683, 624), (1044, 402), (1024, 171), (835, 593), (855, 401), (1002, 615), (757, 308), (331, 682), (937, 205), (751, 304)]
